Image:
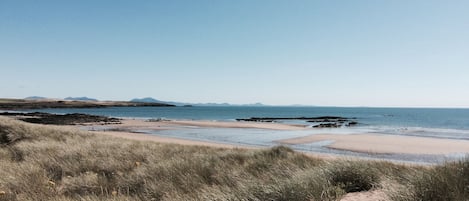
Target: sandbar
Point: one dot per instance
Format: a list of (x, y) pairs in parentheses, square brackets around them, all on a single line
[(135, 124), (382, 143), (360, 142), (161, 139)]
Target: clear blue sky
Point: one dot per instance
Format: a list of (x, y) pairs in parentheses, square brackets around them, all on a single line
[(330, 53)]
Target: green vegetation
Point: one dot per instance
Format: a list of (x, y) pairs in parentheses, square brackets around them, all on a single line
[(52, 163), (449, 181)]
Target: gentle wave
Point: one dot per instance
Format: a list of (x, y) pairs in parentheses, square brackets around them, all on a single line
[(459, 134)]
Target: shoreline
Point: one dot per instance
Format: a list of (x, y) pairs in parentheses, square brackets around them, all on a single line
[(24, 104), (169, 140), (365, 143), (190, 142), (175, 124), (248, 134), (386, 144)]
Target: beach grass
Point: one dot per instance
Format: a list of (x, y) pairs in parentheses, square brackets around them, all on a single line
[(54, 163)]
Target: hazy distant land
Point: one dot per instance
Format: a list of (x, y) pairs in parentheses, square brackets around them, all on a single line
[(131, 165), (43, 103), (64, 163)]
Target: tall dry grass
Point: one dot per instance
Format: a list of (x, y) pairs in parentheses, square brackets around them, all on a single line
[(51, 163)]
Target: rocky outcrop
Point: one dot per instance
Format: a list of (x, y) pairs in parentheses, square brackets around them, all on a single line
[(22, 104), (58, 119), (318, 122)]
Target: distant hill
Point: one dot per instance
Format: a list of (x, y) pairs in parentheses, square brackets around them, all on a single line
[(145, 100), (80, 99), (227, 104), (35, 98), (255, 104), (152, 100), (22, 104), (212, 104)]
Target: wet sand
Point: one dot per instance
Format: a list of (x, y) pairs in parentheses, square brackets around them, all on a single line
[(365, 143), (381, 143), (171, 140), (161, 139), (136, 124)]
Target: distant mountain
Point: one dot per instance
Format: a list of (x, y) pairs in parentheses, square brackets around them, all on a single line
[(80, 99), (212, 104), (152, 100), (255, 104), (145, 100), (226, 104), (35, 98)]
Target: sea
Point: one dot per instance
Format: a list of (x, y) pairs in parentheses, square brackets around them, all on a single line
[(426, 122)]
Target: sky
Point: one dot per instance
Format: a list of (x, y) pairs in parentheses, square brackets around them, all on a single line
[(395, 53)]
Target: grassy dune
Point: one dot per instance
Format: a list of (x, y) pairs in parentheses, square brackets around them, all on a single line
[(51, 163)]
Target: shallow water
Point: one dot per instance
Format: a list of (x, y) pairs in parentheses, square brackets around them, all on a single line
[(268, 138), (408, 117), (436, 123)]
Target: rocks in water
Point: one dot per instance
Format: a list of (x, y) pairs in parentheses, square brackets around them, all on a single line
[(21, 104), (59, 119), (327, 125), (324, 121), (336, 124), (308, 119)]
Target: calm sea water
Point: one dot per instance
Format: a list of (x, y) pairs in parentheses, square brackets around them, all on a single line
[(437, 123), (445, 123)]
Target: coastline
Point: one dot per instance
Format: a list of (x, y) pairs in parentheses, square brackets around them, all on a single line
[(366, 143), (386, 144), (169, 140), (138, 124), (23, 104), (330, 142), (179, 141)]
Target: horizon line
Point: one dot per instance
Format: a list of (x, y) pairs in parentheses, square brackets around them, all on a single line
[(260, 104)]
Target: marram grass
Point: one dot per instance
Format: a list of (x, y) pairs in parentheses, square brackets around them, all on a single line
[(52, 163)]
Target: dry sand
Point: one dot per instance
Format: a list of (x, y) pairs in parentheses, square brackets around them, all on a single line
[(361, 196), (375, 195), (170, 140), (129, 125), (173, 124), (368, 143), (155, 138), (381, 143)]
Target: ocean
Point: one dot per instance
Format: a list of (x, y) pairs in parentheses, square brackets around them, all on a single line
[(432, 122), (426, 122)]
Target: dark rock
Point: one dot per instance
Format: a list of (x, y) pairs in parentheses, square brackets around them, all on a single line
[(325, 121), (58, 119), (327, 125)]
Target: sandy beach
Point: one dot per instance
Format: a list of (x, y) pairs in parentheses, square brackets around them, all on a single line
[(171, 140), (135, 124), (381, 143), (161, 139), (360, 142)]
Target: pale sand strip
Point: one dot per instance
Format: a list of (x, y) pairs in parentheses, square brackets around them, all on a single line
[(141, 124), (161, 139), (380, 143), (369, 143), (170, 140)]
